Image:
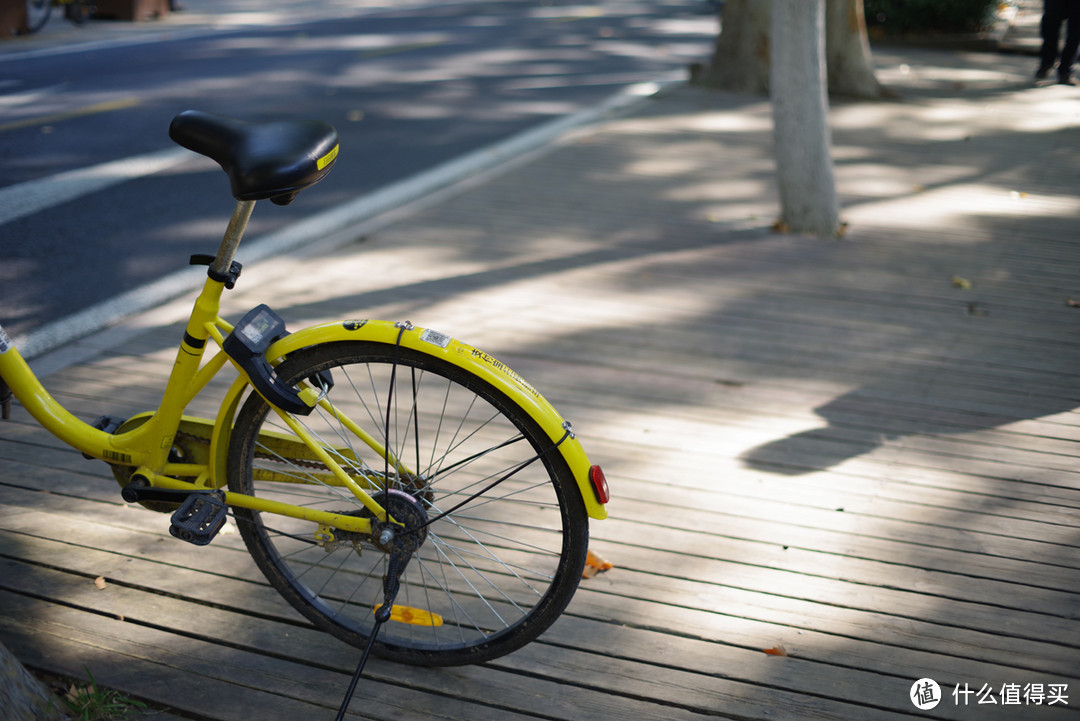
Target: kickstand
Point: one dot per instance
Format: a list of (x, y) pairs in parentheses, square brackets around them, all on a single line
[(391, 583)]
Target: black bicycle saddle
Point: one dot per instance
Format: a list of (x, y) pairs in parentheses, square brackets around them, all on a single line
[(274, 160)]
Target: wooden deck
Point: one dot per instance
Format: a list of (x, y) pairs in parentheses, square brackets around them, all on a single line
[(864, 451)]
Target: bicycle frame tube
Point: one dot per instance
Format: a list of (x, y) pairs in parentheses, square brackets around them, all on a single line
[(43, 407), (148, 444)]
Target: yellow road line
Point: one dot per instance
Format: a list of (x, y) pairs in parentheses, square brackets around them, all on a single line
[(106, 107), (394, 49), (587, 14)]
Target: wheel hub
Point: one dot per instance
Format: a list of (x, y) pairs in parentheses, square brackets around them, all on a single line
[(409, 533)]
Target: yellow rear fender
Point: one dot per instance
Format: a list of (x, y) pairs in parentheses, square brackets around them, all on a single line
[(437, 345)]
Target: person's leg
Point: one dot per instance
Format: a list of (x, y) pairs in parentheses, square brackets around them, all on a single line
[(1053, 16), (1072, 41)]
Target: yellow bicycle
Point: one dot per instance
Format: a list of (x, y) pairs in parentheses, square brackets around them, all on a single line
[(382, 475)]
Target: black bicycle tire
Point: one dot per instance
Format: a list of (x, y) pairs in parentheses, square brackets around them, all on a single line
[(34, 21), (286, 579)]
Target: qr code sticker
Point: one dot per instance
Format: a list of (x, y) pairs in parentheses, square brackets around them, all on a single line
[(5, 341), (434, 337)]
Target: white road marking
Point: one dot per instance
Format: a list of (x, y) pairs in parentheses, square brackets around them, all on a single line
[(33, 196)]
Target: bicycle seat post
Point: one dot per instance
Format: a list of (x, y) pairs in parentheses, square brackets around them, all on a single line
[(233, 234)]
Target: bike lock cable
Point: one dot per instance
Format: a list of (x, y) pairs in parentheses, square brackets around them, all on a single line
[(402, 327)]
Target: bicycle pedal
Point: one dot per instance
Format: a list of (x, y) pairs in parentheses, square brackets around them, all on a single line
[(199, 518)]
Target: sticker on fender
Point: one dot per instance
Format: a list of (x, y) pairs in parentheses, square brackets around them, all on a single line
[(5, 341), (434, 337)]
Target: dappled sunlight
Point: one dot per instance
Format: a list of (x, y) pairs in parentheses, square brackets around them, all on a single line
[(962, 76), (948, 71), (544, 81), (753, 193), (1029, 110), (753, 118), (1060, 111), (666, 166), (958, 205), (365, 45), (870, 180), (677, 26)]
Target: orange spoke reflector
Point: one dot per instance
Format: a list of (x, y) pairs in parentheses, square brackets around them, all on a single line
[(413, 616)]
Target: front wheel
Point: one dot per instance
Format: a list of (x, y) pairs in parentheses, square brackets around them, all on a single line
[(486, 578), (37, 14)]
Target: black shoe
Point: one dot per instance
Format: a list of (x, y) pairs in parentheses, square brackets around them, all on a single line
[(1066, 80), (1042, 73)]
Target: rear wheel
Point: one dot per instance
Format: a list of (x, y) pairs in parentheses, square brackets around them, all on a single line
[(78, 12), (507, 531)]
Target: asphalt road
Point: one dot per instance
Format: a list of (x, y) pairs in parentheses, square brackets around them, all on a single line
[(96, 201)]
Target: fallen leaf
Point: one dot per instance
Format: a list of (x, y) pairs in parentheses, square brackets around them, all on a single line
[(1072, 303), (781, 227), (100, 583), (776, 650), (962, 283), (842, 230), (594, 564)]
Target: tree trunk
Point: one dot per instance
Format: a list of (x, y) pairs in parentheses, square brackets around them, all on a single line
[(800, 118), (740, 60), (847, 51), (23, 697)]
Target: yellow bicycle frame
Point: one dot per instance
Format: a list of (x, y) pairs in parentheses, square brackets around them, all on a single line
[(146, 446)]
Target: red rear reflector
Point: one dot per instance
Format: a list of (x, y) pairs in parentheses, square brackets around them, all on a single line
[(599, 484)]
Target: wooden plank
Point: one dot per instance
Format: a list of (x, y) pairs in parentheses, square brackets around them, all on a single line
[(294, 665), (572, 632), (727, 597), (208, 680)]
